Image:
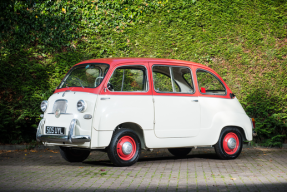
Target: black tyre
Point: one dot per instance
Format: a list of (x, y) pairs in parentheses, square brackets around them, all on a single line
[(74, 155), (230, 143), (125, 148), (179, 152)]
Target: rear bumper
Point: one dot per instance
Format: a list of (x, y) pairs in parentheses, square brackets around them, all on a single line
[(70, 138)]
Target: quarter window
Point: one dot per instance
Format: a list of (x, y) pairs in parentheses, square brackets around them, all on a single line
[(209, 84), (172, 79), (128, 78)]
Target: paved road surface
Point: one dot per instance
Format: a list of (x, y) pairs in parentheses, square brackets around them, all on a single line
[(256, 169)]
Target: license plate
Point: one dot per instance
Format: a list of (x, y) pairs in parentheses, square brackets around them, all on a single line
[(55, 130)]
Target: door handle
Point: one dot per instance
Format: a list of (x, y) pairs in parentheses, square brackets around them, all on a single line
[(194, 100), (105, 98)]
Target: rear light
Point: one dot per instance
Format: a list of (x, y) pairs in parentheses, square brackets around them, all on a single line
[(253, 126), (253, 122)]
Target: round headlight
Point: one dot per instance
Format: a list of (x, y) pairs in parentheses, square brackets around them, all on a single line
[(44, 105), (81, 106)]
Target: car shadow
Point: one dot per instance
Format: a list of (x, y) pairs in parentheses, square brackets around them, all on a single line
[(101, 163), (207, 156), (163, 157)]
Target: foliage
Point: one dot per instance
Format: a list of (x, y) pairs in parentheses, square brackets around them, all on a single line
[(128, 79), (243, 41), (270, 121)]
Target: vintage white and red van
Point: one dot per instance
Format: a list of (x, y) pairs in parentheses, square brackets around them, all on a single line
[(124, 105)]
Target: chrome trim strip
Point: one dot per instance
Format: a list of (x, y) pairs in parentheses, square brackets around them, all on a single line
[(105, 98), (61, 113)]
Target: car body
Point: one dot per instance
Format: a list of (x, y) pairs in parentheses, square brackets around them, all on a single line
[(123, 105)]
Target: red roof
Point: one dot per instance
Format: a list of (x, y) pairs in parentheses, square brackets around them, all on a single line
[(114, 61)]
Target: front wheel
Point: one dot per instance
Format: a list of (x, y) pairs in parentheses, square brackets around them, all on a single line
[(74, 155), (230, 143), (125, 148)]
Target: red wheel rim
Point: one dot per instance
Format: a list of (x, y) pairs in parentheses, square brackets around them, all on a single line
[(120, 152), (228, 150)]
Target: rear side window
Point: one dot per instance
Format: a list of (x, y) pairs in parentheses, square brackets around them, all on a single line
[(209, 84), (174, 79), (128, 78)]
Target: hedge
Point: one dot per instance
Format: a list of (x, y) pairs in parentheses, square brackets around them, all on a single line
[(244, 41)]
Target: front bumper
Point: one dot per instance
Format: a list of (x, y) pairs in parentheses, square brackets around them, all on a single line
[(70, 138)]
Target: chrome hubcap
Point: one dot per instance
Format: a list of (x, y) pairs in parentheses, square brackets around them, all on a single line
[(231, 143), (127, 148)]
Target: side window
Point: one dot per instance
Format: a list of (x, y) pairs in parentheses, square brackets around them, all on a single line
[(172, 79), (209, 84), (161, 78), (128, 78)]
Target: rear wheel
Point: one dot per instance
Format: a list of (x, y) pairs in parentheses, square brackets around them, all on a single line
[(74, 155), (179, 152), (125, 148), (230, 143)]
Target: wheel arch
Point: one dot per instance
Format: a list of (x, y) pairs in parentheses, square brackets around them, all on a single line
[(136, 128), (241, 130)]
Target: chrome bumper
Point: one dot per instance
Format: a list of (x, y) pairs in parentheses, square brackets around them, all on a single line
[(70, 138)]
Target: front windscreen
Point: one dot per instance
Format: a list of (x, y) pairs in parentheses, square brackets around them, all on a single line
[(85, 75)]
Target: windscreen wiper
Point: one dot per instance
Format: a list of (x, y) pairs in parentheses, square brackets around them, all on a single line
[(80, 82)]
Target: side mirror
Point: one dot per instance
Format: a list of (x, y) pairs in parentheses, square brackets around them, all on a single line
[(110, 87)]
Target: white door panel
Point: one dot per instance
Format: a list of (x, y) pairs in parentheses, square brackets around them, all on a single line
[(176, 116), (112, 110)]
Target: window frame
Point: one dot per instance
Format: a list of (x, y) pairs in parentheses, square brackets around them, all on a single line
[(200, 69), (147, 80), (172, 78)]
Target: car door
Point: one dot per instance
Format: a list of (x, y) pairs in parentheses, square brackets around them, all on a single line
[(126, 98), (177, 111)]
